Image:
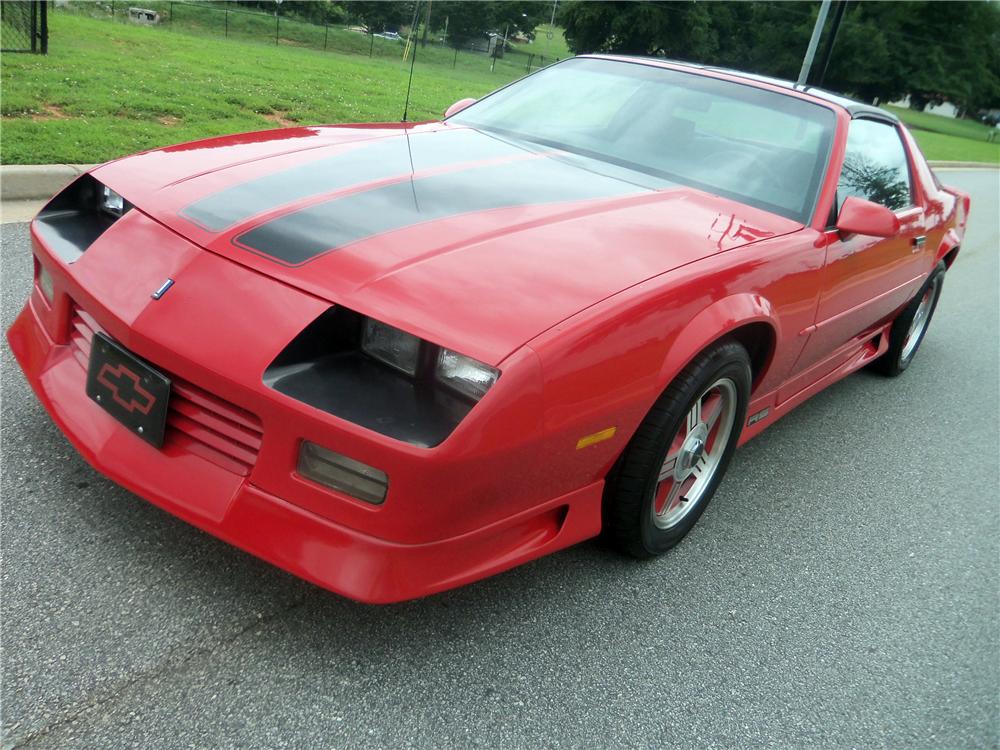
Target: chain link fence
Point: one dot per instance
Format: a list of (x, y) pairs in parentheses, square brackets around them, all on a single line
[(225, 20), (24, 26)]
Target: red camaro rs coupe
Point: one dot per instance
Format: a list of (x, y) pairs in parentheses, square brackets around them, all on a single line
[(397, 358)]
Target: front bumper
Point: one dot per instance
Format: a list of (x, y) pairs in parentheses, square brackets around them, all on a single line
[(229, 506), (484, 501)]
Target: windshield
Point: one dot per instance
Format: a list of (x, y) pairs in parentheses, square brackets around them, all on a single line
[(756, 146)]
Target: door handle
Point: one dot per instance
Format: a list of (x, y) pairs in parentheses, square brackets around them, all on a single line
[(918, 242)]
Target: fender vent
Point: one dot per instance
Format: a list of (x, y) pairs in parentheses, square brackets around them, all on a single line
[(198, 421)]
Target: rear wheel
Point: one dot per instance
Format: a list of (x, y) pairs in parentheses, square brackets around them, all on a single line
[(678, 456), (910, 326)]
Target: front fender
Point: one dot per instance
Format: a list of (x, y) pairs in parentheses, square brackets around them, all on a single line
[(605, 368), (712, 324)]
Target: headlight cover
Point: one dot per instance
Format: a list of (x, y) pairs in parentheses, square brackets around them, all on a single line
[(111, 201), (465, 374), (391, 346)]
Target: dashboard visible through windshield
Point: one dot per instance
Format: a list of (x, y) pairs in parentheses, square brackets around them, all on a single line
[(759, 147)]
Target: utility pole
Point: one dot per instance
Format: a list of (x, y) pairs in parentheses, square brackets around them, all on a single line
[(831, 39), (813, 43), (551, 31), (427, 24)]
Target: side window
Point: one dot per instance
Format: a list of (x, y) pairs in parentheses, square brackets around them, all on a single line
[(875, 166)]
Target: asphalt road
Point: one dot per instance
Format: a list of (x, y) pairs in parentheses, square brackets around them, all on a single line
[(841, 591)]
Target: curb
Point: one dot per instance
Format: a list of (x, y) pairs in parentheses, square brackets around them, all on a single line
[(20, 182), (963, 165)]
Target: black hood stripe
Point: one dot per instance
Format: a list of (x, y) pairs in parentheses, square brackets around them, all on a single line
[(381, 159), (301, 236)]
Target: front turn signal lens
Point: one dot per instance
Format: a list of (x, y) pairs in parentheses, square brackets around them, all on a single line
[(44, 280), (342, 474)]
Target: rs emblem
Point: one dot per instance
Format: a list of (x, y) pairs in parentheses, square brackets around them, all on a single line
[(123, 385)]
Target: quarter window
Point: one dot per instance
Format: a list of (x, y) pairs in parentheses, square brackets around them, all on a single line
[(875, 166)]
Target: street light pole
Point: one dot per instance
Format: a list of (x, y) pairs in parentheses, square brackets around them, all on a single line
[(813, 43)]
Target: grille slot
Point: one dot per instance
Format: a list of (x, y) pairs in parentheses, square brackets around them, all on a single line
[(198, 421)]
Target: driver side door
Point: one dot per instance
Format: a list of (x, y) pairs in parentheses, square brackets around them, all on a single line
[(867, 279)]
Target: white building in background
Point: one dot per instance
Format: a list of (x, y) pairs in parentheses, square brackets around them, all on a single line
[(945, 109)]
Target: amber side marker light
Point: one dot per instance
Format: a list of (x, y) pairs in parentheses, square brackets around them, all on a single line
[(598, 437), (342, 474)]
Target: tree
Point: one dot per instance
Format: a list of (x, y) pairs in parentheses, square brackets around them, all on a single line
[(375, 16), (519, 16), (931, 51), (675, 30), (467, 21)]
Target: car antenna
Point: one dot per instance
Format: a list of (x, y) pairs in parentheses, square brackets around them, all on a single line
[(410, 43)]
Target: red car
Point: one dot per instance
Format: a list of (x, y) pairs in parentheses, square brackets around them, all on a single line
[(393, 359)]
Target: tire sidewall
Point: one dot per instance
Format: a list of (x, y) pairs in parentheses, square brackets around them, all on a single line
[(902, 325), (654, 539)]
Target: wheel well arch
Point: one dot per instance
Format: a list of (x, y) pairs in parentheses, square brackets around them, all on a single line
[(759, 340), (948, 250), (746, 318)]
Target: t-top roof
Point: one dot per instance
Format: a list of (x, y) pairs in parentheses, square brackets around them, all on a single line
[(853, 106)]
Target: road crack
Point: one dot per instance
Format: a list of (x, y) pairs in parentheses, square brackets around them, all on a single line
[(173, 663)]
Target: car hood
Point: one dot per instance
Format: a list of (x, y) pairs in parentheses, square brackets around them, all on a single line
[(468, 239)]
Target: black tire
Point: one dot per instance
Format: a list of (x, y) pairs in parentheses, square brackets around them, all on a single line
[(630, 513), (899, 355)]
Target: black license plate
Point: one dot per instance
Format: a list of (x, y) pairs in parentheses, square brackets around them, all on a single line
[(129, 390)]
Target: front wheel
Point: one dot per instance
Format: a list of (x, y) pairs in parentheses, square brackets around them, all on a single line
[(678, 456), (910, 326)]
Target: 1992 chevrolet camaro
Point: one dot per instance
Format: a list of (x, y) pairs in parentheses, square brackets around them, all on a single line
[(393, 359)]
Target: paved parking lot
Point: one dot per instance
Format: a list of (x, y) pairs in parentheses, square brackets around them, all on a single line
[(841, 591)]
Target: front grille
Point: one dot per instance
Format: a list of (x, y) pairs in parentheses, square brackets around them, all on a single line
[(198, 421)]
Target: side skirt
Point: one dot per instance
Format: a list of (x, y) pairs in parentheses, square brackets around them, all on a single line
[(766, 410)]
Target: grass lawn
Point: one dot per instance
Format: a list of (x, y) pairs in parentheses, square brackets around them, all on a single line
[(937, 124), (107, 89), (950, 139), (950, 148)]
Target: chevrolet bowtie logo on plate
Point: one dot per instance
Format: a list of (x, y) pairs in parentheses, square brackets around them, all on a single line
[(124, 387), (128, 389)]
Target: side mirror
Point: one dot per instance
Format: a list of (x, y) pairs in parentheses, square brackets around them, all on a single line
[(858, 216), (458, 106)]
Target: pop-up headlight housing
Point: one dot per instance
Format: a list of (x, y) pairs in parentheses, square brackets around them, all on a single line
[(380, 377), (76, 217)]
